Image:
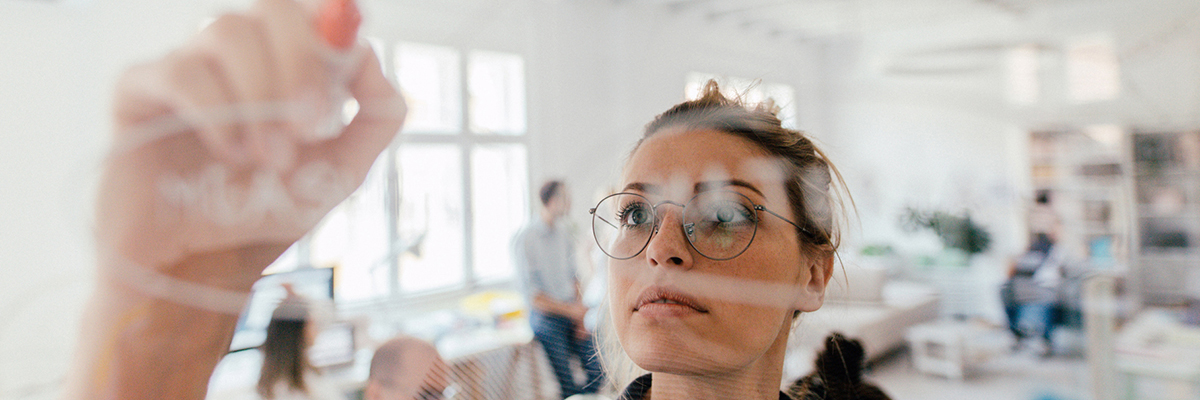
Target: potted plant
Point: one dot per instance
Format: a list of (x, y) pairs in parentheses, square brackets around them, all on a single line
[(961, 237)]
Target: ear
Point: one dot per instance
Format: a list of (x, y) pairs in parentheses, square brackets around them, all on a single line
[(811, 294)]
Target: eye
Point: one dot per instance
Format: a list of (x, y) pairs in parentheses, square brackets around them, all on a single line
[(728, 212), (635, 214)]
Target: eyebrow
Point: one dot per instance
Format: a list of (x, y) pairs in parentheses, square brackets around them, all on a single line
[(710, 185), (700, 186), (640, 187)]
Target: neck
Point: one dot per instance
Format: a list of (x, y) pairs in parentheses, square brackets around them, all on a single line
[(548, 217), (677, 387), (759, 380)]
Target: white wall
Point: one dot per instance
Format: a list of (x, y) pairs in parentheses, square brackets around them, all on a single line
[(59, 61), (952, 140), (597, 72)]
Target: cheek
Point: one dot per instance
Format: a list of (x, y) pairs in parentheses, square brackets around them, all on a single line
[(780, 259), (621, 276)]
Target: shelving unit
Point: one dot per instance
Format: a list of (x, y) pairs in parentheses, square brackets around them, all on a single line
[(1166, 178), (1084, 170)]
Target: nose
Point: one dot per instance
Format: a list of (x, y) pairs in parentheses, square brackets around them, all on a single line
[(668, 246)]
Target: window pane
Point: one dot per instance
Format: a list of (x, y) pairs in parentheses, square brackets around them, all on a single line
[(1023, 67), (354, 238), (732, 87), (497, 84), (1093, 70), (785, 99), (740, 88), (749, 91), (499, 186), (431, 217), (431, 81)]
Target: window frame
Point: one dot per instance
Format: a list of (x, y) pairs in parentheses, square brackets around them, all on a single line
[(465, 141)]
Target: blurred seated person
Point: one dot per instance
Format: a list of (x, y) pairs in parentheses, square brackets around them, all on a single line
[(286, 372), (407, 368), (1030, 294)]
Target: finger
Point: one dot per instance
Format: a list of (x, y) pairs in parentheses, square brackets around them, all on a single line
[(380, 116), (294, 46), (183, 92), (240, 50), (302, 73)]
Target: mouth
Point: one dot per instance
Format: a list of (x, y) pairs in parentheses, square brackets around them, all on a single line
[(666, 297)]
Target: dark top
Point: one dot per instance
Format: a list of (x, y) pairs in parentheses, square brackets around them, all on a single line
[(638, 388)]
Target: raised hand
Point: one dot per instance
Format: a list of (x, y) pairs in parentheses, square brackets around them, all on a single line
[(217, 144), (222, 158)]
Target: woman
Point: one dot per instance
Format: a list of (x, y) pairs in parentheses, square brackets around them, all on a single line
[(286, 372), (722, 236)]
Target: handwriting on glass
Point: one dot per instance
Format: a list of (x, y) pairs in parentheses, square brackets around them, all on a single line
[(213, 194)]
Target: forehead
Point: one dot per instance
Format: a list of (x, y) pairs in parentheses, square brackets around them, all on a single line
[(677, 159)]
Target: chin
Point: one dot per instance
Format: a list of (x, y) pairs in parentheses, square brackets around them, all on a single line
[(677, 355)]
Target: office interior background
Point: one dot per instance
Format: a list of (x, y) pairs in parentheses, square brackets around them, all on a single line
[(963, 108)]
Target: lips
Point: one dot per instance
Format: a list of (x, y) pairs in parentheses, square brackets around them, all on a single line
[(660, 296)]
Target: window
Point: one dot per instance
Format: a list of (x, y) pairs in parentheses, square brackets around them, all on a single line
[(433, 214), (431, 80), (354, 237), (463, 171), (750, 91), (1023, 67), (439, 208), (1093, 70)]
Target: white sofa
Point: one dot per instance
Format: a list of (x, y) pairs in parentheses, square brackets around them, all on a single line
[(871, 308)]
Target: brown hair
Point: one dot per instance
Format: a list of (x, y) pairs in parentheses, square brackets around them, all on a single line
[(549, 190), (810, 174), (284, 357)]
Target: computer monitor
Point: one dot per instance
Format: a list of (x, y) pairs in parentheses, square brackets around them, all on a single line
[(268, 292)]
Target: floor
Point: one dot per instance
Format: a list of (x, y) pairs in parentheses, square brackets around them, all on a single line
[(1009, 375)]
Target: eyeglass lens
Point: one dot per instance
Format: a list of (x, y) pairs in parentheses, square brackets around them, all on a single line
[(719, 224)]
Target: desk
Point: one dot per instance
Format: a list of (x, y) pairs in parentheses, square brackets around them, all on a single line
[(485, 363), (948, 348), (489, 363)]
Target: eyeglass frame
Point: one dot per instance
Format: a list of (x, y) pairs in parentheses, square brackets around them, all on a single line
[(682, 209)]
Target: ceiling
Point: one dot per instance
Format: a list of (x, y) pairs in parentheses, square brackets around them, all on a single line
[(806, 19), (945, 36)]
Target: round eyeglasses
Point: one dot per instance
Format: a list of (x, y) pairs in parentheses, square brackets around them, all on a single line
[(719, 224)]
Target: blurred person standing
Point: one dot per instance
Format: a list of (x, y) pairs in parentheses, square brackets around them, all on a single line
[(544, 255)]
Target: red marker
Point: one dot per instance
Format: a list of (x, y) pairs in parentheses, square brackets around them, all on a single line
[(337, 23)]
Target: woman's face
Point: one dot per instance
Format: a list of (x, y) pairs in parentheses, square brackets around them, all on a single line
[(676, 311)]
